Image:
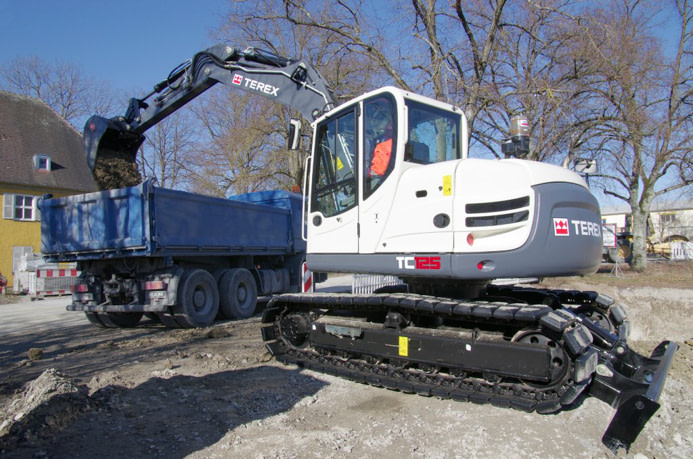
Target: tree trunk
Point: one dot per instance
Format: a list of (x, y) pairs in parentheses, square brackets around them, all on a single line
[(639, 229)]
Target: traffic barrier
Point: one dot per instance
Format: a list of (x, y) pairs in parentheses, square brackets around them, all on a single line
[(680, 251), (54, 281), (307, 285)]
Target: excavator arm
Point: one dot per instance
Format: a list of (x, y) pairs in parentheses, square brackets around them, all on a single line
[(293, 83)]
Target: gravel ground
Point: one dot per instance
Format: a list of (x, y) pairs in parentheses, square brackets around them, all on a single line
[(215, 392)]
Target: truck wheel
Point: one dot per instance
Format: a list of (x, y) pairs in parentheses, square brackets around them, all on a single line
[(152, 316), (120, 319), (169, 320), (94, 318), (218, 276), (198, 299), (238, 291)]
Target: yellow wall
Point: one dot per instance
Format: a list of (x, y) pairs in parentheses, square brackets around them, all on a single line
[(18, 233), (12, 234)]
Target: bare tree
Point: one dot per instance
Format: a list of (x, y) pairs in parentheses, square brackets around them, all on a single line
[(645, 139), (586, 79), (361, 45), (240, 154), (291, 29), (169, 147), (279, 27), (534, 71), (490, 57), (62, 86)]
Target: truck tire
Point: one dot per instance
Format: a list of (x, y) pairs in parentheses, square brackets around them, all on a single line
[(93, 317), (120, 319), (238, 291), (169, 320), (198, 299), (218, 276), (152, 316)]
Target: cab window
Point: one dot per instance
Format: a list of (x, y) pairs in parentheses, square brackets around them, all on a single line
[(380, 141), (433, 135), (334, 180)]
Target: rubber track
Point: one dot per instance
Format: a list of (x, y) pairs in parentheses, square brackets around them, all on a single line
[(509, 395)]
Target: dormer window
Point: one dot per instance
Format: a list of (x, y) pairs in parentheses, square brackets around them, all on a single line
[(42, 163)]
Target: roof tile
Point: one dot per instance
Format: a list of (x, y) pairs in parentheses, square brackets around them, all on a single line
[(28, 127)]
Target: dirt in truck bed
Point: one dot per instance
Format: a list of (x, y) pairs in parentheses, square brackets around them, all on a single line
[(115, 169), (81, 391)]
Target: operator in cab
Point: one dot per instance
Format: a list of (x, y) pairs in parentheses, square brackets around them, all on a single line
[(382, 153)]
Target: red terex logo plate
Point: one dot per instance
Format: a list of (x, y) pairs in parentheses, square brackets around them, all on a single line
[(560, 227)]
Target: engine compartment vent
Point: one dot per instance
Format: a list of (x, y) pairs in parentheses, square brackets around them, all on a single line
[(492, 212)]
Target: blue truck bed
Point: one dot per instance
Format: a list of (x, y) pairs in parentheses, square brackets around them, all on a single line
[(146, 220)]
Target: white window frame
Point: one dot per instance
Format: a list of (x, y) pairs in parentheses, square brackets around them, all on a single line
[(42, 163), (10, 207), (667, 218)]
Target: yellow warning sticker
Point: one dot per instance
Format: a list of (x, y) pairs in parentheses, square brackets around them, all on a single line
[(447, 185), (340, 164), (403, 346)]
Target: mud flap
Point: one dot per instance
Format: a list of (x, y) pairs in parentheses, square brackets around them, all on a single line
[(635, 397)]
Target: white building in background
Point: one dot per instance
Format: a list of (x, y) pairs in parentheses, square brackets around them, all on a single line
[(668, 221)]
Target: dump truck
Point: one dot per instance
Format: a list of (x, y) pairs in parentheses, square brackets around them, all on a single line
[(180, 257)]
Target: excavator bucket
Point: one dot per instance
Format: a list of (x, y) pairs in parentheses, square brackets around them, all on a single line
[(111, 153), (104, 137)]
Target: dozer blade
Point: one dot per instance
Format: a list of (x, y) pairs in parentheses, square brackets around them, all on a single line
[(111, 152), (632, 384)]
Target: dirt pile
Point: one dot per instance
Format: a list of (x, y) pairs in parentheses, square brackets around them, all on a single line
[(115, 170), (47, 404)]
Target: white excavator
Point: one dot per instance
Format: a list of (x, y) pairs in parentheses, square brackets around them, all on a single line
[(445, 224)]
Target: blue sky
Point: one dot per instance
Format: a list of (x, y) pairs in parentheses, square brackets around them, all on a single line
[(131, 44)]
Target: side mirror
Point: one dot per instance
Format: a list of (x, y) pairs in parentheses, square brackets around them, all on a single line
[(585, 166), (294, 134)]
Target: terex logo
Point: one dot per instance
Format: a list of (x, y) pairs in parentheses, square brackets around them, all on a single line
[(418, 262), (561, 227), (255, 85)]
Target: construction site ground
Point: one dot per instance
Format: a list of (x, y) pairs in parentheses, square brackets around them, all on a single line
[(73, 390)]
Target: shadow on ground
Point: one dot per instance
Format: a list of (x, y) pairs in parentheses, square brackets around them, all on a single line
[(171, 417)]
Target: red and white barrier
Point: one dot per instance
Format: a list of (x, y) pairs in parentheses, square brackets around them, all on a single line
[(307, 282), (54, 281)]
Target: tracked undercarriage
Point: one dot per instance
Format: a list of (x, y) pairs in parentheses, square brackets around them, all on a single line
[(529, 349)]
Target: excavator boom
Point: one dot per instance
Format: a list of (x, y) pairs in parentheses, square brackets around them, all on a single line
[(290, 82)]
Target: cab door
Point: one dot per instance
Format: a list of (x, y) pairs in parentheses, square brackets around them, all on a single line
[(333, 213), (410, 208), (380, 128)]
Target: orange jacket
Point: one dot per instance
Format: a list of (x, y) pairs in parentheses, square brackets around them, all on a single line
[(381, 157)]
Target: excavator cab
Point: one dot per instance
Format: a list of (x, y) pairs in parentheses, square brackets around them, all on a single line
[(468, 218)]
